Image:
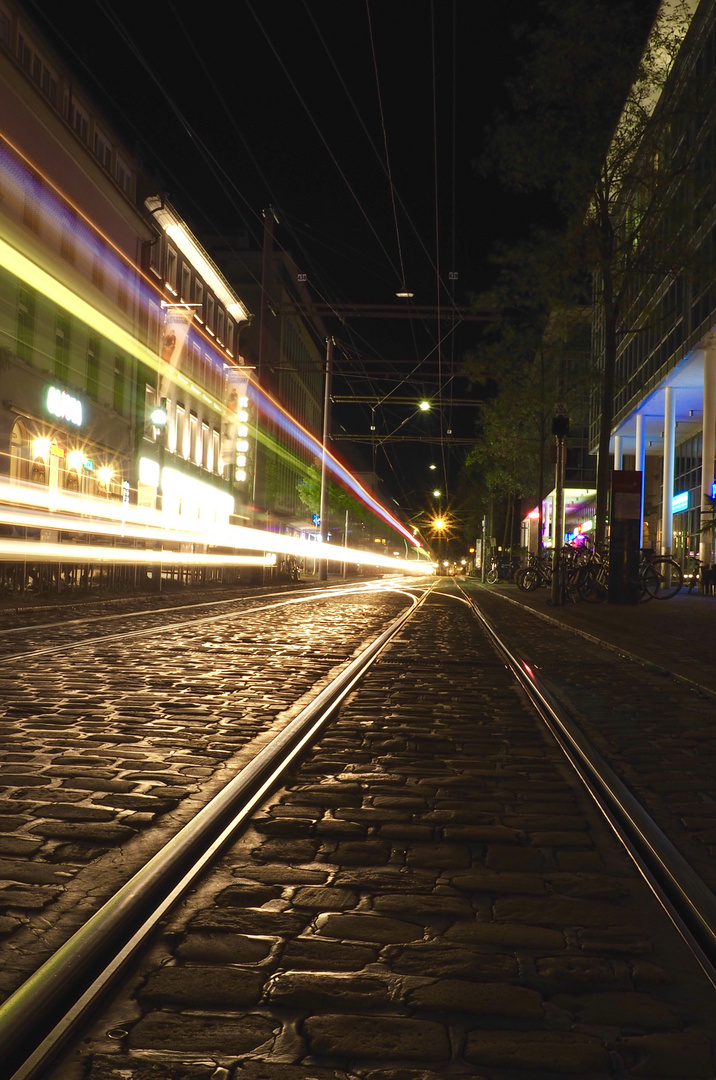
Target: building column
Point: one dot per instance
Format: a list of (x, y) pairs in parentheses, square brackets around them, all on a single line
[(639, 465), (708, 450), (667, 506), (618, 457)]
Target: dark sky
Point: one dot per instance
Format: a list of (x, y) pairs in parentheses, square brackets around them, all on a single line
[(279, 102)]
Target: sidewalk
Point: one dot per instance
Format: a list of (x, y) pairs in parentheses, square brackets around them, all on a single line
[(677, 634)]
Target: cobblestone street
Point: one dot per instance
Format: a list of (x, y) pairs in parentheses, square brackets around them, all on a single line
[(108, 749), (431, 895)]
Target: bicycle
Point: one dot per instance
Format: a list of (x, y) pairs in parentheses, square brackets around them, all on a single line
[(536, 575), (660, 577)]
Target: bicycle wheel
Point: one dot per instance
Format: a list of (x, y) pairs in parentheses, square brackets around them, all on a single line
[(492, 576), (592, 587), (531, 579), (663, 578), (519, 577)]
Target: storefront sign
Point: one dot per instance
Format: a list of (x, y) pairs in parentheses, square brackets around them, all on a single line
[(64, 406), (680, 502)]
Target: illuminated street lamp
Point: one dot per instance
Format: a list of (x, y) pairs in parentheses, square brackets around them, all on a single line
[(436, 493), (424, 406), (432, 466)]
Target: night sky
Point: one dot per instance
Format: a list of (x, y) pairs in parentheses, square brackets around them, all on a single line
[(279, 102)]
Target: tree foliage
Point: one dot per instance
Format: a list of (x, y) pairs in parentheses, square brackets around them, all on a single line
[(579, 127)]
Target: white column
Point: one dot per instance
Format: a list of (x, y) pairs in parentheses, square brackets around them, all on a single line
[(618, 452), (639, 464), (708, 450), (667, 506)]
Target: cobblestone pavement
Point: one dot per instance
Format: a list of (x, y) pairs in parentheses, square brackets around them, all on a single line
[(657, 733), (431, 895), (109, 749)]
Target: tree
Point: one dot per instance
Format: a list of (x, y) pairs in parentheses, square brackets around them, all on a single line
[(580, 127), (530, 358)]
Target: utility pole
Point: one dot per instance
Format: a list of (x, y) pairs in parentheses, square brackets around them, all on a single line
[(323, 564), (560, 428), (266, 312)]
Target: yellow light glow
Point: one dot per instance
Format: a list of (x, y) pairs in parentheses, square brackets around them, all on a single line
[(105, 474), (425, 406), (41, 448), (75, 459)]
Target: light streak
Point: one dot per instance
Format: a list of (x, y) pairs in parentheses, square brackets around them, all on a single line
[(38, 508), (54, 205)]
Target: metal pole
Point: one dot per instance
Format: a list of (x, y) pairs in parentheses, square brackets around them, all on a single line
[(557, 597), (323, 565)]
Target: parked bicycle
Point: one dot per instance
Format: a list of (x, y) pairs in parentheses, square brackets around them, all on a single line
[(661, 576)]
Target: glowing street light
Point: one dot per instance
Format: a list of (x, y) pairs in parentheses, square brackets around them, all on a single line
[(424, 406), (432, 466), (436, 493)]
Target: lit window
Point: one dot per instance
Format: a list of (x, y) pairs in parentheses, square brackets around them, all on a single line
[(171, 268), (190, 448)]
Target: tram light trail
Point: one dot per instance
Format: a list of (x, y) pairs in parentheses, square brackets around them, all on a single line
[(67, 292), (37, 508)]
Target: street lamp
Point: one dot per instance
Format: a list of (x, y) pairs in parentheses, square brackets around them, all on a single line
[(159, 418), (425, 406)]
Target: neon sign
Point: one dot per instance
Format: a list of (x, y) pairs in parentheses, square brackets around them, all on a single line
[(64, 406), (680, 503)]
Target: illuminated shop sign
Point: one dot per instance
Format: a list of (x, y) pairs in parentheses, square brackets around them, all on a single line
[(64, 406), (680, 503)]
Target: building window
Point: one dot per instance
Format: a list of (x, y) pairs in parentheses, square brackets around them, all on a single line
[(185, 282), (118, 393), (49, 85), (80, 122), (180, 432), (215, 452), (62, 347), (24, 53), (220, 325), (210, 311), (5, 28), (102, 149), (193, 438), (93, 350), (25, 323), (171, 278), (229, 335), (123, 175), (199, 296), (203, 457)]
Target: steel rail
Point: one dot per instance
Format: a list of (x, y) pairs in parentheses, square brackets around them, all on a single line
[(122, 635), (683, 895), (38, 1020), (110, 616)]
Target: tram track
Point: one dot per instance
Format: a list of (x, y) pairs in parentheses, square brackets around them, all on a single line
[(687, 902), (685, 898), (133, 913), (228, 607)]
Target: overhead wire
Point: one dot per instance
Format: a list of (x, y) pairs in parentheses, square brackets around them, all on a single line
[(438, 291), (391, 185)]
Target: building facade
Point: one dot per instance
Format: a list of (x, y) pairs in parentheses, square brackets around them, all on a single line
[(665, 388), (109, 306)]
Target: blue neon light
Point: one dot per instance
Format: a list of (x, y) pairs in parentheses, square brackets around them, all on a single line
[(680, 502)]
